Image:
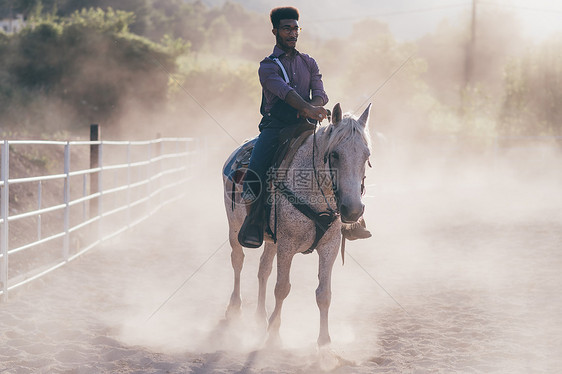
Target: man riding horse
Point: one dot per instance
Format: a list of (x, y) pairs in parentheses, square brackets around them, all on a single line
[(292, 92)]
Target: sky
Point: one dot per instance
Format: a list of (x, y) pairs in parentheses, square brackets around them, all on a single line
[(411, 19)]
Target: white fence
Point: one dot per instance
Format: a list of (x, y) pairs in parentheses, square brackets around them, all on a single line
[(50, 220)]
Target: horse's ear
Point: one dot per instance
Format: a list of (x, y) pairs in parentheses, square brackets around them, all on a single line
[(365, 116), (336, 114)]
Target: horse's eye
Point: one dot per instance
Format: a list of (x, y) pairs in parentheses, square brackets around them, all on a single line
[(335, 155)]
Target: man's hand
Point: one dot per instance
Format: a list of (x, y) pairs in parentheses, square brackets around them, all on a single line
[(306, 110), (314, 112)]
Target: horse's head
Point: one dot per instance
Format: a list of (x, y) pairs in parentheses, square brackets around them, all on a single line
[(347, 152)]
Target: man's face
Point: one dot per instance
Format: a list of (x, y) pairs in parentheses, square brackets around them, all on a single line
[(287, 33)]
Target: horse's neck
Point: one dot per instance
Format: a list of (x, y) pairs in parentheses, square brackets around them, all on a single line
[(304, 165)]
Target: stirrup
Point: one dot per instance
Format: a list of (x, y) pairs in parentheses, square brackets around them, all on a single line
[(250, 234)]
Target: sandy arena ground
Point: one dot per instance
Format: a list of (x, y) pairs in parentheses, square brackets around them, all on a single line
[(462, 276)]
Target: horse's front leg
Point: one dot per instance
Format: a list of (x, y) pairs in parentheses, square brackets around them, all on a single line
[(266, 263), (282, 288), (237, 260), (327, 255)]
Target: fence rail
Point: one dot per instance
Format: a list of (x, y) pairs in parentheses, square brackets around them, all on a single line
[(98, 203)]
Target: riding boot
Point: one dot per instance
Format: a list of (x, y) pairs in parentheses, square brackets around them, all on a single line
[(251, 232), (357, 230)]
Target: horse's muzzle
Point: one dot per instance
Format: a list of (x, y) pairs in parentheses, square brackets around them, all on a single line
[(350, 214)]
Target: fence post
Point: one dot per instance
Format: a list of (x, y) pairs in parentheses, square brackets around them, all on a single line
[(94, 177), (66, 240), (94, 163), (5, 201)]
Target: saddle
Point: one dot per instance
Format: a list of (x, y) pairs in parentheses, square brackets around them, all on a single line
[(290, 140)]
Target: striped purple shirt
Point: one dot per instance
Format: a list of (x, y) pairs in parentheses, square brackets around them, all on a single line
[(304, 78)]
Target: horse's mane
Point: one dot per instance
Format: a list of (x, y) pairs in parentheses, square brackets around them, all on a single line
[(348, 129)]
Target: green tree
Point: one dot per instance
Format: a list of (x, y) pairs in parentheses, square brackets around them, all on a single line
[(533, 92), (89, 62)]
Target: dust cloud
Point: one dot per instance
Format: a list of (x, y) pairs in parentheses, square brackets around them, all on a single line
[(461, 274)]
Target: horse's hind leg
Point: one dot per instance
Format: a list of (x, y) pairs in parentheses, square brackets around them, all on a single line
[(266, 264), (327, 256), (237, 260)]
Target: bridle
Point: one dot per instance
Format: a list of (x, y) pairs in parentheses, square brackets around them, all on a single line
[(328, 159)]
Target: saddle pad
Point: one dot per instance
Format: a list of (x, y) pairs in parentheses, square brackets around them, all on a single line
[(235, 169), (290, 141)]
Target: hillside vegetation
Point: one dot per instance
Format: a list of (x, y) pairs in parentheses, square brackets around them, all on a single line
[(132, 63)]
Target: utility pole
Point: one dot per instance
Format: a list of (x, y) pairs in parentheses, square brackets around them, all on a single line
[(469, 58), (10, 22)]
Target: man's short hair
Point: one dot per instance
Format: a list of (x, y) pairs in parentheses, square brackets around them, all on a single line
[(285, 12)]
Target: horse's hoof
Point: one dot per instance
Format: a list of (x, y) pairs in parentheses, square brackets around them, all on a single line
[(274, 342), (328, 360), (324, 341), (232, 313)]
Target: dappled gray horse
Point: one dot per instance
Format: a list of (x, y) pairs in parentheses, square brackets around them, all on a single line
[(334, 158)]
